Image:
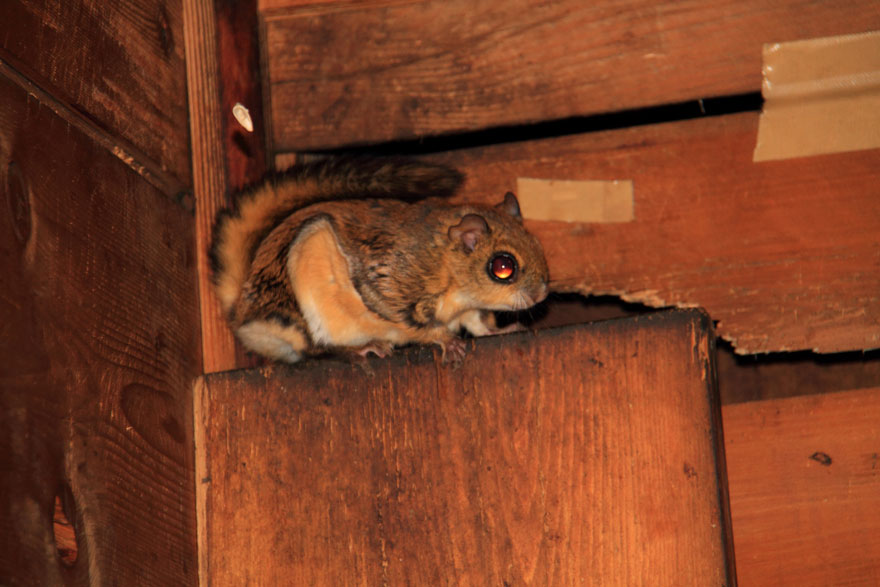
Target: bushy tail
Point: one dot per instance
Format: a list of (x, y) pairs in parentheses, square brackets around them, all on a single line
[(238, 231)]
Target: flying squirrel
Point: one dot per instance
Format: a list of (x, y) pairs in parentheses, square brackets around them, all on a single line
[(359, 254)]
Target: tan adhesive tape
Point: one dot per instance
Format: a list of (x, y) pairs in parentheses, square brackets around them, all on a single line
[(820, 96), (575, 201)]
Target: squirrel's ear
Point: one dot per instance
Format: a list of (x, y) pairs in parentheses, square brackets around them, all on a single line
[(510, 206), (471, 228)]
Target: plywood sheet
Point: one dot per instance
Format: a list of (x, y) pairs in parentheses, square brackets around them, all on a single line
[(583, 455), (357, 72)]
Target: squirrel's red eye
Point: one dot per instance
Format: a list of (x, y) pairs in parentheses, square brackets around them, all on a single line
[(502, 267)]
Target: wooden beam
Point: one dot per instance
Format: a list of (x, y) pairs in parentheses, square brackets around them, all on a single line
[(805, 489), (342, 73), (782, 254), (586, 454), (209, 176)]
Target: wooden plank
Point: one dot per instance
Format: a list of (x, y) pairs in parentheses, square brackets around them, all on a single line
[(99, 336), (120, 64), (578, 455), (782, 254), (223, 70), (344, 73), (805, 489)]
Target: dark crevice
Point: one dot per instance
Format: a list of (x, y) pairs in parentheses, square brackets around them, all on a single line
[(777, 375), (750, 102)]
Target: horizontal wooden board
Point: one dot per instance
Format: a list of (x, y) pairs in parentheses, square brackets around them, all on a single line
[(782, 254), (358, 72), (118, 64), (804, 478), (583, 455), (100, 341)]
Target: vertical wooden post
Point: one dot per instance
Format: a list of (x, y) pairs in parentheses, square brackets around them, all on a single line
[(222, 64)]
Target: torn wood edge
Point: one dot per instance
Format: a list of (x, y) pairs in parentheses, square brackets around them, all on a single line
[(650, 298)]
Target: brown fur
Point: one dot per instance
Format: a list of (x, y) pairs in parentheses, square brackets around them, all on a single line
[(305, 264)]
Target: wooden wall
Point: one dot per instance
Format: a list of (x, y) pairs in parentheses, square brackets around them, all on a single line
[(99, 307), (780, 253), (103, 257)]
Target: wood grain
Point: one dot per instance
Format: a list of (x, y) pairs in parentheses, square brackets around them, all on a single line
[(805, 489), (99, 336), (782, 254), (120, 64), (579, 455), (344, 73)]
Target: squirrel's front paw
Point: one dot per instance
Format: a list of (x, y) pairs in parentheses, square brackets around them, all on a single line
[(454, 351)]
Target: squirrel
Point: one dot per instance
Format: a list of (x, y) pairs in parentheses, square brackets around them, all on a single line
[(362, 254)]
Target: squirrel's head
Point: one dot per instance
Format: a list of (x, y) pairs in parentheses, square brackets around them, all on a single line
[(502, 267)]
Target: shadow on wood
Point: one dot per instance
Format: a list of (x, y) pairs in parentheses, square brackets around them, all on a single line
[(99, 339)]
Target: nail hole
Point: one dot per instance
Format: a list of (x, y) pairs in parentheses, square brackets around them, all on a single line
[(63, 529)]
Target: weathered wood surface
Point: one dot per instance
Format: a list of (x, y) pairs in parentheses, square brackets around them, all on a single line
[(99, 338), (805, 489), (118, 64), (580, 455), (357, 72), (783, 254)]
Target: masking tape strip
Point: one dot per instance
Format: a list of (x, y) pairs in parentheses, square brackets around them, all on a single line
[(575, 201), (820, 96)]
